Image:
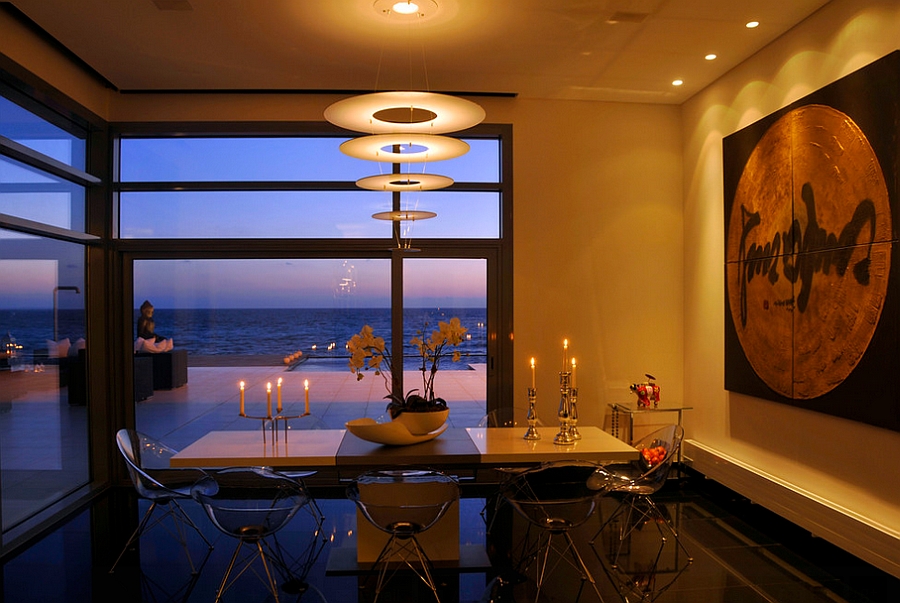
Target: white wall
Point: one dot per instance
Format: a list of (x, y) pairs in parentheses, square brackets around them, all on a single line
[(843, 467)]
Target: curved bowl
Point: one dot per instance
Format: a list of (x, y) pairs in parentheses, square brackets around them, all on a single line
[(390, 434), (419, 423)]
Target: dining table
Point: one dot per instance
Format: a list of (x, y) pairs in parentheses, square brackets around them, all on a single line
[(456, 448), (337, 456)]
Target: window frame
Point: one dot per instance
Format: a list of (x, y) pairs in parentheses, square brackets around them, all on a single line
[(496, 251)]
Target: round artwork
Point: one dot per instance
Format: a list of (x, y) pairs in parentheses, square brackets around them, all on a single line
[(808, 251)]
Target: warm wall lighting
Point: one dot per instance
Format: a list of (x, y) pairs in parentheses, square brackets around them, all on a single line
[(677, 82), (752, 24), (711, 57)]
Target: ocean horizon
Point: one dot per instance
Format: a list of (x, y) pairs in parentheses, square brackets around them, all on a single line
[(264, 335)]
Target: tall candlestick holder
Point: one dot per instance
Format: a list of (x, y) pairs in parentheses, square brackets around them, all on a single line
[(573, 419), (531, 417), (565, 435), (273, 424)]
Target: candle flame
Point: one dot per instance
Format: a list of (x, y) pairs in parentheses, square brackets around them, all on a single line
[(306, 383), (268, 387), (242, 385), (565, 344), (279, 381), (573, 363), (532, 363)]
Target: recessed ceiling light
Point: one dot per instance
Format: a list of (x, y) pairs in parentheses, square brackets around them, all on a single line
[(711, 57), (405, 8), (677, 82), (752, 24)]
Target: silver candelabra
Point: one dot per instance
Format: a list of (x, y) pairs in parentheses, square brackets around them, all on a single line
[(568, 411), (531, 417)]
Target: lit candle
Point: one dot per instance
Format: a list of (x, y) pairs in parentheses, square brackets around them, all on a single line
[(532, 373), (242, 398), (306, 391), (268, 400), (279, 396), (573, 372), (565, 355)]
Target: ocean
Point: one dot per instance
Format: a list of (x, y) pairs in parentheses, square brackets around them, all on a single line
[(319, 333)]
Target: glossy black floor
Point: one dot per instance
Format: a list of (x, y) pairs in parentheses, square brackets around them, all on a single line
[(740, 554)]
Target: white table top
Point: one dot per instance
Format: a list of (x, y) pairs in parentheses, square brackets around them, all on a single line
[(314, 447), (474, 446), (506, 445)]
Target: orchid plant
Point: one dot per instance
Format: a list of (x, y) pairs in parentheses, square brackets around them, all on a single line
[(368, 352)]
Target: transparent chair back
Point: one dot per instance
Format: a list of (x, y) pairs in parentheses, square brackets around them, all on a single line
[(403, 504), (251, 504), (147, 461)]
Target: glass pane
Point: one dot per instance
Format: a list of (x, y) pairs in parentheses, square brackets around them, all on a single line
[(26, 128), (269, 159), (435, 291), (273, 159), (270, 214), (459, 215), (34, 195), (480, 164), (43, 393), (257, 321)]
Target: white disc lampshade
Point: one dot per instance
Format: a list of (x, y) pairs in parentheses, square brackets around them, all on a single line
[(404, 148), (404, 215), (405, 111), (404, 182)]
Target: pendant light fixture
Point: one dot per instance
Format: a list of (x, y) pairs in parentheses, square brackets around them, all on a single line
[(405, 126)]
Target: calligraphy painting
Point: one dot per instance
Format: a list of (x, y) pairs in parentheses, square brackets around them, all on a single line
[(810, 268)]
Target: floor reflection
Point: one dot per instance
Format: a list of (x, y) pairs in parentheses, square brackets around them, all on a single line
[(740, 555)]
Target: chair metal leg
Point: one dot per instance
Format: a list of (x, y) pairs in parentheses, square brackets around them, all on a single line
[(247, 564), (179, 518), (406, 547), (662, 519), (134, 535), (294, 569), (562, 554), (629, 507)]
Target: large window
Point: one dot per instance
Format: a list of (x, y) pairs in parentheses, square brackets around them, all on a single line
[(43, 337), (262, 258)]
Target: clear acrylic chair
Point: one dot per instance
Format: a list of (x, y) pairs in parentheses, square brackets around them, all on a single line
[(148, 466), (250, 504), (556, 497), (308, 422), (403, 503), (503, 417), (636, 482)]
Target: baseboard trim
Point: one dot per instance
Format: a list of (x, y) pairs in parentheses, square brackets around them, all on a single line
[(861, 536)]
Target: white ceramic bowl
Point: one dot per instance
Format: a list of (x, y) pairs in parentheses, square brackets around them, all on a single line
[(390, 433), (419, 423)]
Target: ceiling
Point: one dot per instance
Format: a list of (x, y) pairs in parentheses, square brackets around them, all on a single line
[(609, 50)]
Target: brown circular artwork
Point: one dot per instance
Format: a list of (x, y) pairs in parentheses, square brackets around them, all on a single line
[(808, 251)]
